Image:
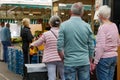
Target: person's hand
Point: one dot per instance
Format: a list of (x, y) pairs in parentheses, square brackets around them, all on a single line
[(92, 67), (61, 56), (31, 47)]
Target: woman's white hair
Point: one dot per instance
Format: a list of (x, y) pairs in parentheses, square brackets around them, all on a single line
[(77, 8), (104, 11)]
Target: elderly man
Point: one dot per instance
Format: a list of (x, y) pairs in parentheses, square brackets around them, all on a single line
[(76, 40)]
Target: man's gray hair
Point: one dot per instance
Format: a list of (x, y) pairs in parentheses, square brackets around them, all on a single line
[(104, 11), (77, 8)]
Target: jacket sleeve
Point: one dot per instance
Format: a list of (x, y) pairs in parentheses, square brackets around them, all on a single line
[(29, 36), (91, 44), (9, 34), (39, 42), (21, 32), (99, 50), (60, 41)]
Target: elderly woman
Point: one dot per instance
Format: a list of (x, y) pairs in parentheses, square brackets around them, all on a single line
[(106, 48), (50, 55), (26, 40)]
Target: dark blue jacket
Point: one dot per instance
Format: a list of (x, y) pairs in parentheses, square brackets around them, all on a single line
[(26, 36)]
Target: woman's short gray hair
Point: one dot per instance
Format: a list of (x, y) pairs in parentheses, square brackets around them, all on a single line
[(55, 21), (77, 8), (104, 11)]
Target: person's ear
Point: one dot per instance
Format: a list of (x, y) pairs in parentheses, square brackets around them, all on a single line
[(50, 25)]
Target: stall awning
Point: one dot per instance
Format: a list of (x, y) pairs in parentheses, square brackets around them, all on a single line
[(29, 6), (28, 2)]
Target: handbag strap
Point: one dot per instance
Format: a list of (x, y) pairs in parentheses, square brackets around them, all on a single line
[(53, 34)]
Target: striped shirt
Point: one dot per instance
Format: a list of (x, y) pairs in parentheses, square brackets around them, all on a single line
[(107, 42), (50, 53)]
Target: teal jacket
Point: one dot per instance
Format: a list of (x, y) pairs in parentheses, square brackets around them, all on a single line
[(77, 41)]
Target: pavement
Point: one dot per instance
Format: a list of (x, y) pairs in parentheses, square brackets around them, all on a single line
[(6, 74)]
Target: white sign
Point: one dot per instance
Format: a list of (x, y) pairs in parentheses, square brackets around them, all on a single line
[(15, 30)]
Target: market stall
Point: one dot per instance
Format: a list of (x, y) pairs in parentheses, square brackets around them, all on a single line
[(39, 12)]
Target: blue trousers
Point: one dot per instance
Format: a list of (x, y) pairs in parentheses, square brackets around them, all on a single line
[(105, 68), (5, 49), (77, 72)]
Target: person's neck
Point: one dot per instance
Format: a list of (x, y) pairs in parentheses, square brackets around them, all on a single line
[(76, 15), (106, 21)]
